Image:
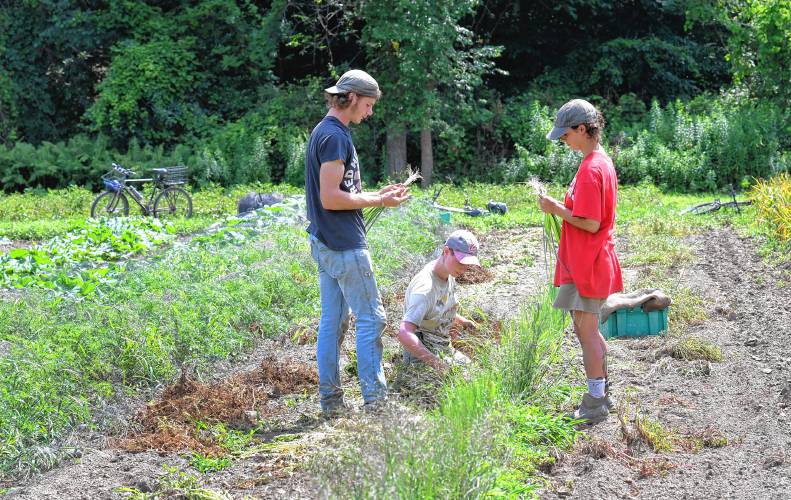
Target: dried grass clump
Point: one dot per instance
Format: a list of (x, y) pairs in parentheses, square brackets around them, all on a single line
[(646, 467), (169, 424), (471, 341), (475, 275), (638, 429), (692, 348)]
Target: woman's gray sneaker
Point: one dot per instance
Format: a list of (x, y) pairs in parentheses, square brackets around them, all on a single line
[(592, 410), (609, 403)]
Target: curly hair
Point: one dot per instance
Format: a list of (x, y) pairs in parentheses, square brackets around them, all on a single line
[(594, 129), (337, 101)]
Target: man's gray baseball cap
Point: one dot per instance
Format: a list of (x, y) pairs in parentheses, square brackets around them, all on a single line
[(357, 81), (572, 114), (465, 246)]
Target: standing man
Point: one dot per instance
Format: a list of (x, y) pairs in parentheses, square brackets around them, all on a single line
[(335, 200), (430, 305)]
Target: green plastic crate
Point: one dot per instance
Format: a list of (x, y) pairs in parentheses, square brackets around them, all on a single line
[(634, 323)]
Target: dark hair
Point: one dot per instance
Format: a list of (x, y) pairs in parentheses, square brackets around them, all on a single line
[(338, 101), (594, 129)]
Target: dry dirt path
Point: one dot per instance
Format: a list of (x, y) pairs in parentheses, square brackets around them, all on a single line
[(746, 397), (749, 320)]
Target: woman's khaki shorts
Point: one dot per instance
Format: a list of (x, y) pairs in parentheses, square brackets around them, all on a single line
[(570, 299)]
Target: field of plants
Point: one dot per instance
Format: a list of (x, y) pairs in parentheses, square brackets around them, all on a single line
[(98, 315), (147, 359)]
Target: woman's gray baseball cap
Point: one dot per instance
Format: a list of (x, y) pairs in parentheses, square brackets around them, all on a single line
[(572, 114), (357, 81)]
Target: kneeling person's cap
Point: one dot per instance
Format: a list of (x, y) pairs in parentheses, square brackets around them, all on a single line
[(465, 246), (357, 81), (572, 114)]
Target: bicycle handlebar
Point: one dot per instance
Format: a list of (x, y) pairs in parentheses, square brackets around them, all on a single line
[(123, 171)]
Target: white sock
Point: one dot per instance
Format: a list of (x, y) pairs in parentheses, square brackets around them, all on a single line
[(596, 387)]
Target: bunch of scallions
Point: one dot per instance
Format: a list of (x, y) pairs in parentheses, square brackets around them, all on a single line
[(371, 214), (551, 228)]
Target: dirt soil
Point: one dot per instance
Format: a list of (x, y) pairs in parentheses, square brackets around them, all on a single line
[(745, 399)]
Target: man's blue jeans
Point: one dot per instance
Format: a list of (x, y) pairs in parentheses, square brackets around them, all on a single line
[(346, 280)]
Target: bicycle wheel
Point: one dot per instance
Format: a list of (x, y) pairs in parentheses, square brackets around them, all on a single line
[(173, 202), (703, 208), (110, 204)]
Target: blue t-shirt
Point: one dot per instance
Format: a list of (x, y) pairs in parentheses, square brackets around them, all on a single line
[(338, 229)]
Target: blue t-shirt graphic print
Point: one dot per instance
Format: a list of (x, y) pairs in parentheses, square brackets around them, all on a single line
[(338, 229)]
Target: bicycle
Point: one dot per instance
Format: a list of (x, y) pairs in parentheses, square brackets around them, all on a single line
[(166, 199), (493, 207), (713, 206)]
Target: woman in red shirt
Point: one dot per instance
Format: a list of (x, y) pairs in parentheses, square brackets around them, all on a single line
[(587, 269)]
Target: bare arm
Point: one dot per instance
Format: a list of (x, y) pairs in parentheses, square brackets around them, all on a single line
[(333, 198), (413, 345), (553, 206)]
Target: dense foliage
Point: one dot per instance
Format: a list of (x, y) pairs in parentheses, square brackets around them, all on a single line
[(231, 87)]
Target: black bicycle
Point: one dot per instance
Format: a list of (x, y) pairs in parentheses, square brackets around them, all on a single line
[(493, 207), (713, 206), (166, 199)]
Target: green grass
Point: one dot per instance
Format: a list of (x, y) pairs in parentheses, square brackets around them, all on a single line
[(40, 215), (483, 439), (206, 300), (196, 302)]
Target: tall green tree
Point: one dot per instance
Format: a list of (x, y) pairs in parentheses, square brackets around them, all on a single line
[(183, 67), (421, 54), (760, 44), (603, 48), (52, 54)]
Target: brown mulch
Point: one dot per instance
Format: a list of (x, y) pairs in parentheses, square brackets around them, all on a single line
[(470, 340), (474, 275), (169, 424)]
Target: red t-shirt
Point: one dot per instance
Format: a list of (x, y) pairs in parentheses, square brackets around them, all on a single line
[(588, 259)]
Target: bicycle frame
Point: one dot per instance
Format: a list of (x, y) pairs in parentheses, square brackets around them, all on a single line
[(138, 197), (492, 207)]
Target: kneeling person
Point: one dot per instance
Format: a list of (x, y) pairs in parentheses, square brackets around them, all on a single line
[(430, 304)]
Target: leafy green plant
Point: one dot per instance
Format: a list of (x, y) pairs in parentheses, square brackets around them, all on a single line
[(196, 301), (204, 464), (58, 264)]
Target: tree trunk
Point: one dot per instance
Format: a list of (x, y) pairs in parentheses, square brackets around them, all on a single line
[(426, 156), (396, 152)]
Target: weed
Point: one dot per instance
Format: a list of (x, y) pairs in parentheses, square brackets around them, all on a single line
[(479, 440), (653, 433), (176, 484), (643, 429), (204, 464), (709, 437), (692, 348), (351, 366)]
